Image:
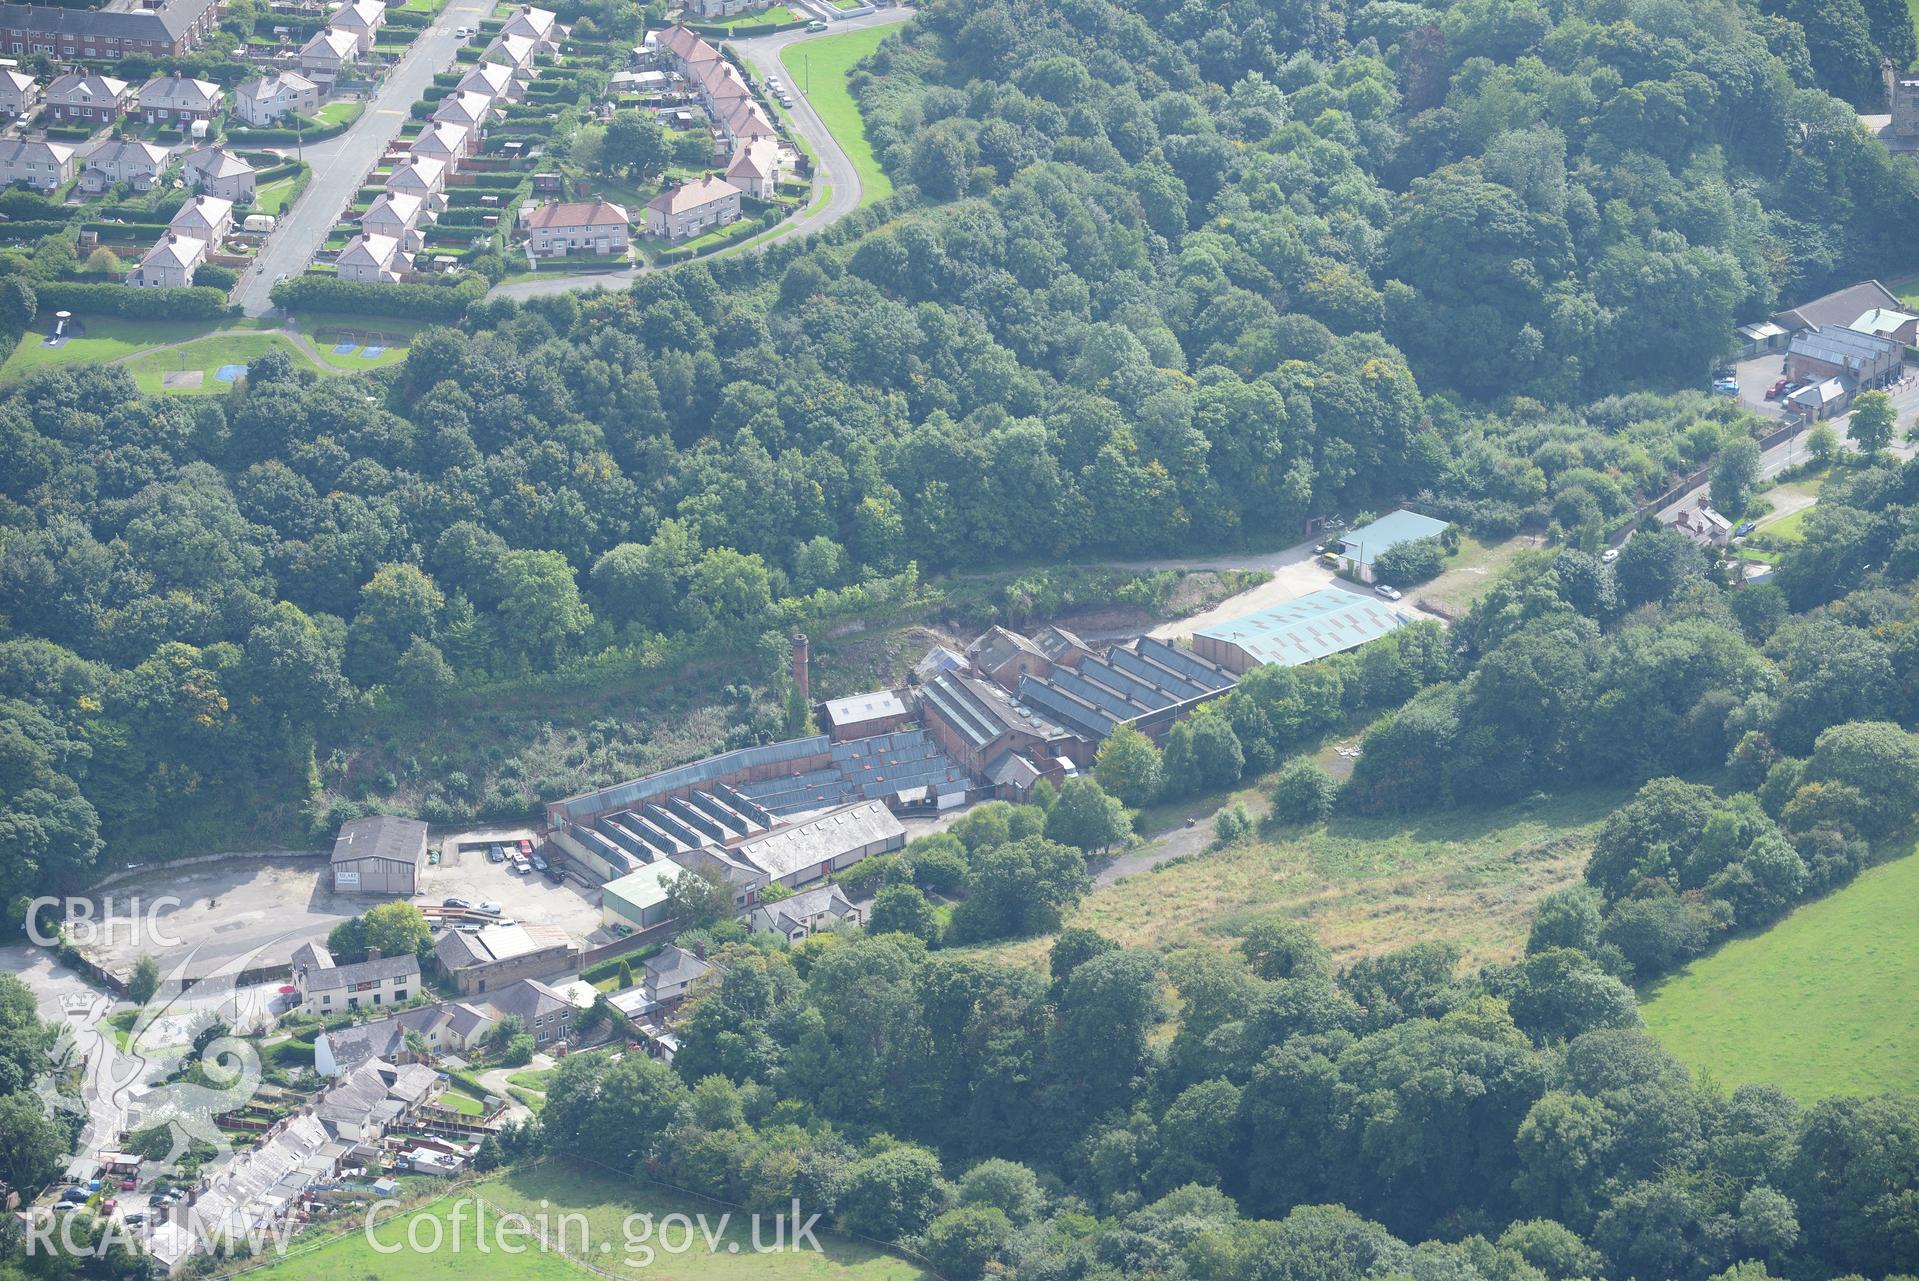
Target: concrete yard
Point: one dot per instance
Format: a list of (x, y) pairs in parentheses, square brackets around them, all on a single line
[(528, 899)]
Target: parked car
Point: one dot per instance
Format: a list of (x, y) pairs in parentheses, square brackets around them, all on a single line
[(135, 1219), (1610, 555), (816, 26), (1778, 389), (521, 866), (460, 903), (469, 927), (1390, 593), (128, 1185), (526, 845), (539, 864), (1745, 527), (494, 854), (489, 909), (74, 1194), (554, 873)]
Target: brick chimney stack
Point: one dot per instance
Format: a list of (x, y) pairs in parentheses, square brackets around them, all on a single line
[(802, 679)]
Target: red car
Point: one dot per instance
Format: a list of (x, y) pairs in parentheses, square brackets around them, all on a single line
[(1778, 389), (526, 846)]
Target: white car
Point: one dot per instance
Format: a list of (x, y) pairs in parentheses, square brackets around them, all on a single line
[(489, 909), (1390, 593), (1610, 555)]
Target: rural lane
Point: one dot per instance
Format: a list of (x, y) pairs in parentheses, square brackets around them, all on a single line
[(340, 163), (762, 55)]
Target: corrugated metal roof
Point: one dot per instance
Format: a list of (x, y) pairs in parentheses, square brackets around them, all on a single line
[(1369, 542), (1313, 626)]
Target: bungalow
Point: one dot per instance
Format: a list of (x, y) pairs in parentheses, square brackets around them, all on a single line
[(398, 216), (465, 109), (447, 143), (264, 100), (420, 176), (671, 972), (374, 260), (87, 99), (513, 51), (123, 160), (497, 82), (537, 25), (692, 208), (756, 168), (36, 162), (329, 53), (219, 172), (178, 100), (208, 217), (19, 92), (596, 227), (1702, 525), (807, 912), (169, 264), (361, 19)]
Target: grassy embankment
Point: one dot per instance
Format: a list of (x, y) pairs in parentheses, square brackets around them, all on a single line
[(544, 1194), (1820, 1004), (818, 69)]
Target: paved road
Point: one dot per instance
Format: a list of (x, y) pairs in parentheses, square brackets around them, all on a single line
[(1791, 452), (762, 54), (67, 1002), (340, 163)]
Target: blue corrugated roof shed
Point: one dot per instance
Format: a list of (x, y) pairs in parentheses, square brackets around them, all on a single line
[(1325, 622), (1367, 543)]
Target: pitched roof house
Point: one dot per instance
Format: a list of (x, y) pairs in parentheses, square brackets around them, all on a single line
[(756, 168), (397, 214), (373, 260), (670, 972), (807, 912), (361, 18), (445, 142), (219, 172), (419, 175), (87, 98), (692, 208), (514, 51), (208, 217), (36, 162), (18, 92), (124, 160), (176, 99), (329, 52), (541, 26), (165, 28), (263, 100), (588, 227), (493, 79), (1840, 307), (170, 264), (467, 109)]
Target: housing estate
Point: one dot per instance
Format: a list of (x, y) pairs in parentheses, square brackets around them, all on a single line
[(373, 260), (328, 53), (449, 1027), (86, 98), (265, 100), (178, 100), (218, 172), (166, 28), (19, 92), (692, 208), (170, 263), (575, 227), (113, 160), (207, 218), (361, 19)]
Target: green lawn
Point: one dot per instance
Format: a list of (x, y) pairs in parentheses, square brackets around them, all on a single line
[(344, 111), (774, 16), (819, 69), (208, 355), (275, 196), (395, 337), (603, 1204), (455, 1099), (1822, 1003), (107, 339)]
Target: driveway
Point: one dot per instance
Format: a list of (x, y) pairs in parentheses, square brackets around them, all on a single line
[(762, 54), (340, 163)]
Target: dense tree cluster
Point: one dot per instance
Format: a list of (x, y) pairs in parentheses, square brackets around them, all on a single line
[(1297, 1123)]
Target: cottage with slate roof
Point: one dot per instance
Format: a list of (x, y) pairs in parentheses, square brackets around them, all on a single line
[(376, 981)]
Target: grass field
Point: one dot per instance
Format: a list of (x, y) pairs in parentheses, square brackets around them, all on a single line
[(135, 341), (819, 69), (107, 339), (1365, 885), (605, 1204), (1470, 571), (207, 355), (1822, 1003)]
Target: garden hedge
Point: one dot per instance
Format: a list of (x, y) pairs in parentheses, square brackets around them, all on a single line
[(405, 302), (197, 303)]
